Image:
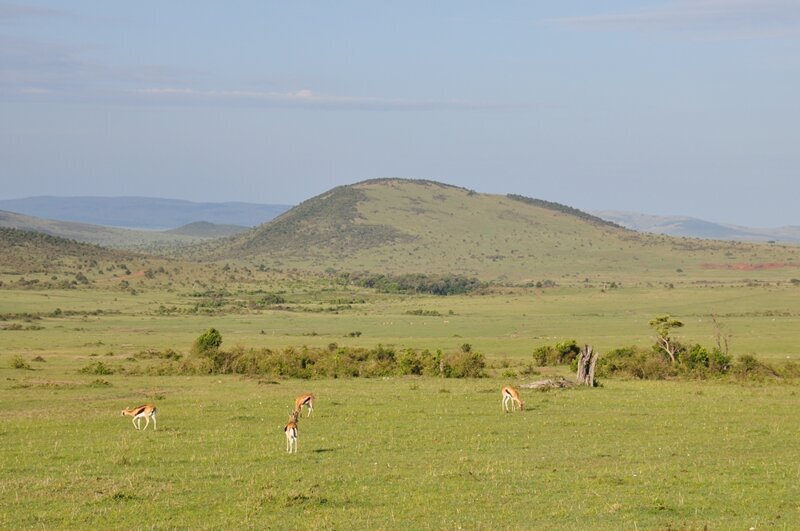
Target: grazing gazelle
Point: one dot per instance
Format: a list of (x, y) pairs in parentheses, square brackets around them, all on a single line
[(291, 432), (304, 400), (511, 395), (147, 411)]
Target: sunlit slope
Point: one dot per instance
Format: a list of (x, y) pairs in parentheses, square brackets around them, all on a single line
[(403, 226)]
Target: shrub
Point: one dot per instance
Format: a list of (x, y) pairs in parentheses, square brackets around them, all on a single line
[(410, 362), (270, 299), (694, 357), (748, 367), (416, 283), (341, 362), (634, 362), (18, 362), (208, 342), (563, 353), (464, 365), (97, 367), (718, 361)]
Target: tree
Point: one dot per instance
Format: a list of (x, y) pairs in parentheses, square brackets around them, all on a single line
[(663, 324)]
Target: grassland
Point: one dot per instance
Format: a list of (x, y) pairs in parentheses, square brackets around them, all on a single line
[(762, 319), (396, 453), (399, 452)]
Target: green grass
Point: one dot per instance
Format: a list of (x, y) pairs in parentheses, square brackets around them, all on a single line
[(764, 320), (387, 453), (396, 453)]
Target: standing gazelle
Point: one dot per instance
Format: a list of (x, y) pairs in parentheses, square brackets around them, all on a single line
[(304, 400), (291, 432), (511, 395), (147, 411)]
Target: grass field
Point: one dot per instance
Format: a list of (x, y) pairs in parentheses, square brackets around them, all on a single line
[(762, 319), (396, 453), (399, 452)]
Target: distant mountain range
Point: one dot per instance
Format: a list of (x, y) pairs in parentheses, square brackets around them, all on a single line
[(119, 238), (697, 228), (142, 212)]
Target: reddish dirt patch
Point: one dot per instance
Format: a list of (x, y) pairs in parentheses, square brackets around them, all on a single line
[(749, 267)]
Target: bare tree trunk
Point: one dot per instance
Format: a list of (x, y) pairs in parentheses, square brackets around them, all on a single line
[(668, 347), (587, 361)]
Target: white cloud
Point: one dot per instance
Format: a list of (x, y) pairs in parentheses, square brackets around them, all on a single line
[(721, 18)]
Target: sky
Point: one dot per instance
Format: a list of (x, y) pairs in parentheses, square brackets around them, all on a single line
[(668, 107)]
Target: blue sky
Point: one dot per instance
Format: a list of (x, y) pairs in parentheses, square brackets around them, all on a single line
[(667, 107)]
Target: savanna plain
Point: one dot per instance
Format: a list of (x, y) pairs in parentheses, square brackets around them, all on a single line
[(400, 451)]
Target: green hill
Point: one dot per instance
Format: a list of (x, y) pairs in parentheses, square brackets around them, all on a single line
[(397, 226), (24, 252)]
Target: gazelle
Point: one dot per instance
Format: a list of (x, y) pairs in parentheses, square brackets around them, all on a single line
[(291, 432), (147, 411), (304, 400), (511, 395)]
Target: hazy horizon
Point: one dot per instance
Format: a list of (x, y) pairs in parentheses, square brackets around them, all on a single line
[(663, 107)]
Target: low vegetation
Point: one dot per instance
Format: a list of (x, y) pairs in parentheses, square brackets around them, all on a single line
[(669, 358), (332, 361), (415, 283)]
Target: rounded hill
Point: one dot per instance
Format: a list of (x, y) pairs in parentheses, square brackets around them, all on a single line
[(400, 226)]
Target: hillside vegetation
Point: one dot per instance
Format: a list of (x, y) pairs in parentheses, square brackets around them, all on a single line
[(37, 261), (397, 226), (28, 252)]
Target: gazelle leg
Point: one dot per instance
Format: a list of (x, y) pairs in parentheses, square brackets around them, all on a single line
[(134, 423), (154, 423), (147, 422)]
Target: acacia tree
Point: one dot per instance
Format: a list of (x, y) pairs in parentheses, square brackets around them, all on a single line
[(663, 324)]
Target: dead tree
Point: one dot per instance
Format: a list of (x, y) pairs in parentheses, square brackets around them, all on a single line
[(587, 360)]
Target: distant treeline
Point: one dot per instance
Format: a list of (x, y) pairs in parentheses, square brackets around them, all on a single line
[(415, 283), (558, 207)]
